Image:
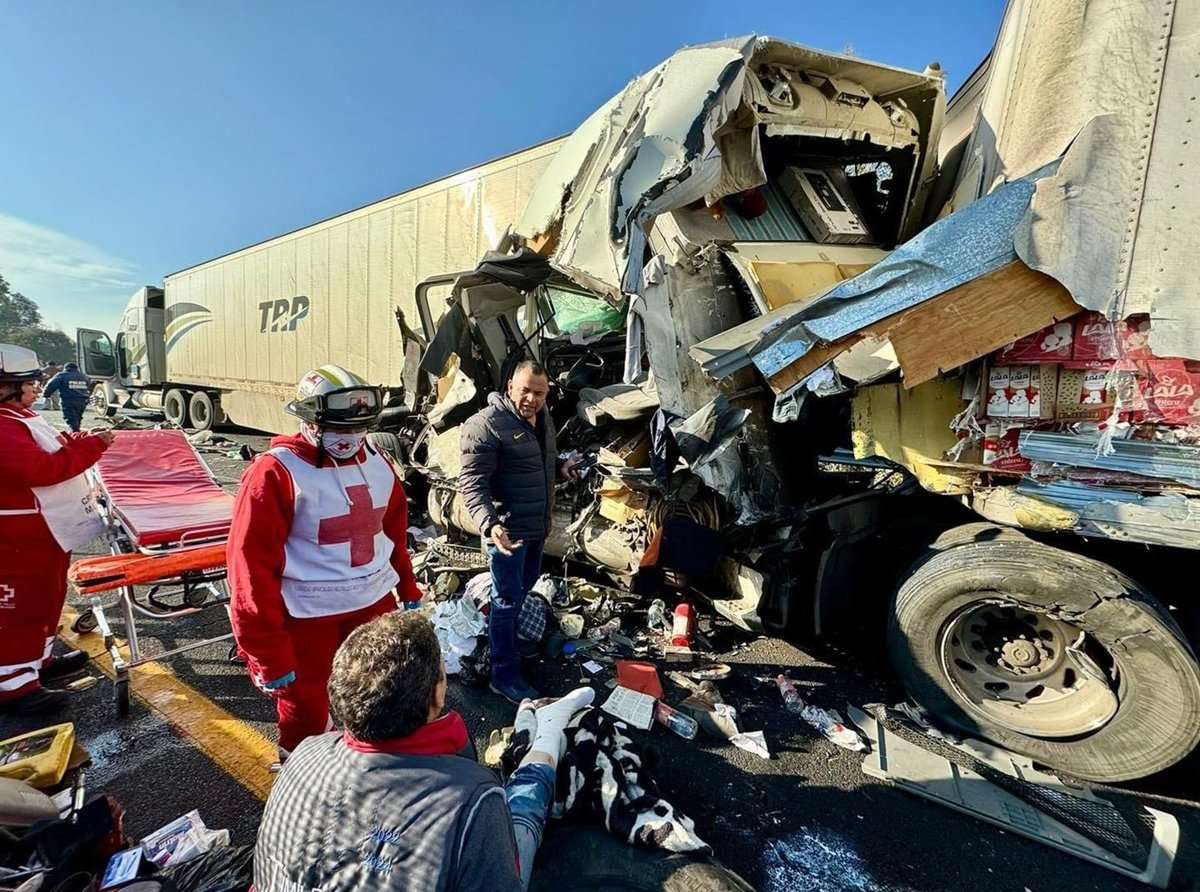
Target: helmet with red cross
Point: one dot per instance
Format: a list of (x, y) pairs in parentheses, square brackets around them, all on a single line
[(335, 397)]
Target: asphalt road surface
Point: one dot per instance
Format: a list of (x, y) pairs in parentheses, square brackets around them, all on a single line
[(199, 736)]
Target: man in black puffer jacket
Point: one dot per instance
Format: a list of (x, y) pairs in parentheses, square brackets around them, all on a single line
[(509, 462)]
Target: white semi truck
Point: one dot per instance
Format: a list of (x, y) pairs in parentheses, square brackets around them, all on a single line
[(229, 338)]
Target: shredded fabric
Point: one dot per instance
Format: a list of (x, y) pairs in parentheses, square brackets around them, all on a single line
[(603, 774)]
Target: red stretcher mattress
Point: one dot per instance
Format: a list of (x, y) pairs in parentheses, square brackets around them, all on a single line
[(161, 491)]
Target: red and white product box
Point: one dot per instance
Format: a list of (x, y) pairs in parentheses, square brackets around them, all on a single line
[(997, 392), (1054, 343), (1018, 391), (1001, 448), (1172, 389), (1099, 343)]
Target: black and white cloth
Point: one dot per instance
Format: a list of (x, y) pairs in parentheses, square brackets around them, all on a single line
[(604, 774)]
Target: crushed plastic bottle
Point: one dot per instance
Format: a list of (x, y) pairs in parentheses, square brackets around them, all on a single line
[(829, 723), (599, 633), (792, 700), (656, 616), (683, 725)]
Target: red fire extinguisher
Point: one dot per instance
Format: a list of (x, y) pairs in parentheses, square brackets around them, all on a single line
[(683, 625)]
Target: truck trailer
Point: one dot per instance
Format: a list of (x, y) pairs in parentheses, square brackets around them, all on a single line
[(229, 338)]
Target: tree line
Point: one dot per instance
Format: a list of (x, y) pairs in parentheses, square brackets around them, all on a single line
[(21, 324)]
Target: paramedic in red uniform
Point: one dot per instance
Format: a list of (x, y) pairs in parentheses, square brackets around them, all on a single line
[(46, 509), (317, 547)]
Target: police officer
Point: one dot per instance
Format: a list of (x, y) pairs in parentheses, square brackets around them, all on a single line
[(73, 386)]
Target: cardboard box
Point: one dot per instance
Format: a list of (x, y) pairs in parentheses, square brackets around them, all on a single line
[(1043, 387), (999, 378), (1083, 395), (1171, 388), (631, 452), (1001, 447), (619, 503), (1018, 391), (1100, 343), (1053, 343)]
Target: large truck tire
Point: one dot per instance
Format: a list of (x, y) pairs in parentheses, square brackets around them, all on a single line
[(175, 407), (1049, 654), (205, 411)]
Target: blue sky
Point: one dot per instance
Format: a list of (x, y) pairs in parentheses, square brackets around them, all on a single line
[(142, 136)]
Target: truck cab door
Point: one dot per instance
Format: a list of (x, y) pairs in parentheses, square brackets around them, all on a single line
[(97, 358)]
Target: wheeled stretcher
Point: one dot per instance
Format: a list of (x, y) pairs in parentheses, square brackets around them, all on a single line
[(167, 523)]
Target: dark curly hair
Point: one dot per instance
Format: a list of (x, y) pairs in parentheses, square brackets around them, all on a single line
[(384, 676)]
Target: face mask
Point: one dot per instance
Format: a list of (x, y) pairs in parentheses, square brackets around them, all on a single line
[(339, 444)]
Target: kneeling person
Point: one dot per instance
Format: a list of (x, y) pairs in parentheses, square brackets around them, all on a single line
[(394, 802)]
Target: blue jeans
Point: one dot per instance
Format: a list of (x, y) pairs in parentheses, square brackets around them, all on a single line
[(530, 793), (72, 411), (512, 578)]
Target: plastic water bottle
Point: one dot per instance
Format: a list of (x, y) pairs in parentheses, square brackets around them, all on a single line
[(656, 616), (682, 724), (792, 700)]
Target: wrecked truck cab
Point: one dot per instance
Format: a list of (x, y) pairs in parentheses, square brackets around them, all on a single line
[(734, 178), (744, 224)]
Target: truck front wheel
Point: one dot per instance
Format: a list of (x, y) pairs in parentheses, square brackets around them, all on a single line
[(1049, 654), (175, 407), (98, 402)]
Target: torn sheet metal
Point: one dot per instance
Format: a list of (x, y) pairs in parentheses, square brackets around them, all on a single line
[(1115, 81), (689, 131), (1165, 461), (1170, 519), (1009, 792), (955, 250)]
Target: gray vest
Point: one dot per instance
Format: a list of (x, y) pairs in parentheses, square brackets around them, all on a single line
[(339, 820)]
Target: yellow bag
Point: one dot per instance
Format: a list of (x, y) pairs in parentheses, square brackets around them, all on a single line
[(39, 758)]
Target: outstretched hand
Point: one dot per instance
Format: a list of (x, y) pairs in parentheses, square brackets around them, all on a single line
[(504, 545)]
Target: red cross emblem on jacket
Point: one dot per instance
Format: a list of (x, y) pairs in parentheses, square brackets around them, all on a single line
[(359, 527)]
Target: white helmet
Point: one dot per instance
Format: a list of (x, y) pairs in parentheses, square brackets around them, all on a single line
[(18, 364), (335, 397)]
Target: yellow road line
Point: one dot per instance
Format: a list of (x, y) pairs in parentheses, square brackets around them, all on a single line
[(240, 751)]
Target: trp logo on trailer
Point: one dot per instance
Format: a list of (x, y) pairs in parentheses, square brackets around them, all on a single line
[(282, 314)]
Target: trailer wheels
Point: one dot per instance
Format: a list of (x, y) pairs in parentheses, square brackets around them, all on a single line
[(175, 407), (1050, 654), (205, 411)]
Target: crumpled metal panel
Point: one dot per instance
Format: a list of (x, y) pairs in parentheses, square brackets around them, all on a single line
[(1169, 519), (1114, 81), (663, 143), (1166, 461), (952, 251)]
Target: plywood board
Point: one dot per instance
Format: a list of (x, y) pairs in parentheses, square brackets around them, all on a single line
[(953, 328)]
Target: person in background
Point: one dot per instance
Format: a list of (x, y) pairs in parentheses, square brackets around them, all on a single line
[(73, 387), (49, 370), (509, 464), (317, 547), (395, 801), (47, 509)]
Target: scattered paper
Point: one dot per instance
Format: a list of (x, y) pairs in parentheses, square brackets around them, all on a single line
[(752, 742), (592, 666), (630, 706)]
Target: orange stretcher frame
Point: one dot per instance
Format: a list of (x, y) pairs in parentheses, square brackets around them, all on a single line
[(167, 520)]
